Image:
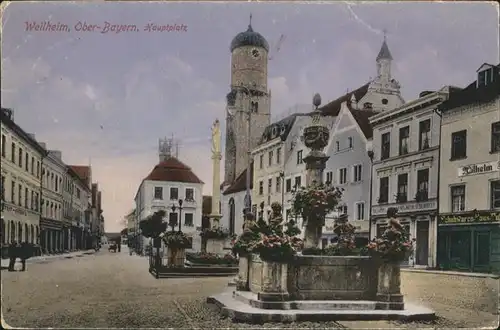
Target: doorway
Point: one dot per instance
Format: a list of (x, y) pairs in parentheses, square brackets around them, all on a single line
[(422, 248)]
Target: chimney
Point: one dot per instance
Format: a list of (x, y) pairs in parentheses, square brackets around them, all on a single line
[(56, 153), (9, 113), (31, 135), (42, 144)]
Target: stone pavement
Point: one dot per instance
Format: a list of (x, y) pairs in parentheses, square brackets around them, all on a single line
[(44, 258), (116, 290)]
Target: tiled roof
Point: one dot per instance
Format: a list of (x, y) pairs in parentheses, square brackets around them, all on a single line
[(279, 129), (83, 172), (173, 170), (240, 184), (473, 94), (362, 117), (333, 108)]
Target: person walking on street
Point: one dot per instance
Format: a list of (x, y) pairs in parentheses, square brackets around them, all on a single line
[(25, 253), (12, 255)]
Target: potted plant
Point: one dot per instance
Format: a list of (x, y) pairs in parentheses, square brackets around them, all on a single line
[(242, 247), (215, 233), (176, 242)]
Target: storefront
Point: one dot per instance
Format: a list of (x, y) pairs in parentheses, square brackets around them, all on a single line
[(51, 235), (418, 219), (469, 242), (19, 224)]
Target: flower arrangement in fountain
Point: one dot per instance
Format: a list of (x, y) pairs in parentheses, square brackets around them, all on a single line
[(395, 244), (242, 245), (211, 258), (215, 233), (176, 239), (315, 202), (277, 248)]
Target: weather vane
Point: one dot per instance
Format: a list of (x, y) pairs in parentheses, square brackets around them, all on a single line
[(250, 19)]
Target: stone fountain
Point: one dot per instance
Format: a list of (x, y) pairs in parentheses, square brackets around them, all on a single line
[(317, 288)]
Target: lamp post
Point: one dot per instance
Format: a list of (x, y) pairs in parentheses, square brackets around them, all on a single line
[(282, 183), (172, 225)]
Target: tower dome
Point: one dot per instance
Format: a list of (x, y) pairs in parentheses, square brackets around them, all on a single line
[(249, 38)]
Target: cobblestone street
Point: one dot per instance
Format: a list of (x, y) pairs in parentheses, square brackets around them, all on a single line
[(115, 290)]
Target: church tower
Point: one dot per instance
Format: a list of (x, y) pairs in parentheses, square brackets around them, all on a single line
[(384, 89), (248, 98)]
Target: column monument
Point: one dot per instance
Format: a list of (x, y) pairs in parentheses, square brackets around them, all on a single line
[(315, 138)]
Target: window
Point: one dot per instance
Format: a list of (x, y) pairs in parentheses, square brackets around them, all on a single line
[(349, 142), (360, 211), (278, 184), (32, 200), (458, 198), (270, 158), (343, 176), (19, 194), (172, 220), (33, 165), (278, 156), (484, 77), (495, 137), (26, 194), (343, 209), (383, 194), (13, 152), (78, 193), (459, 145), (20, 155), (3, 145), (269, 185), (337, 145), (386, 146), (422, 185), (2, 189), (26, 162), (299, 157), (158, 193), (38, 169), (482, 250), (174, 194), (298, 182), (13, 192), (402, 195), (189, 194), (261, 187), (261, 161), (385, 101), (188, 219), (56, 185), (232, 216), (404, 139), (424, 139), (357, 172), (495, 194), (329, 177), (288, 185)]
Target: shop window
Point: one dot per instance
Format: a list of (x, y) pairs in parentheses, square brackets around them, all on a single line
[(458, 198), (460, 256), (482, 248)]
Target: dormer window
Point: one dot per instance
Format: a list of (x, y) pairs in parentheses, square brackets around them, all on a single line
[(367, 105), (254, 107), (485, 75)]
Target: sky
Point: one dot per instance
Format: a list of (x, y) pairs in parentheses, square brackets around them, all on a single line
[(106, 98)]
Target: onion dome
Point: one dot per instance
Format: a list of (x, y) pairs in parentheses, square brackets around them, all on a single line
[(249, 38)]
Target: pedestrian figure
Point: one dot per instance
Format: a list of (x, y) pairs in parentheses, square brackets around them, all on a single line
[(12, 255), (25, 253)]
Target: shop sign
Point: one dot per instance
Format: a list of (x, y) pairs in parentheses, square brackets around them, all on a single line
[(469, 218), (15, 210), (406, 207), (481, 168), (360, 225)]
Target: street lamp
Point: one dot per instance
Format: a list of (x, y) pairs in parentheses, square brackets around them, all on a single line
[(180, 215), (282, 182)]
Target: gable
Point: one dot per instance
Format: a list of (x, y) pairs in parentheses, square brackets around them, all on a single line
[(344, 121), (484, 66)]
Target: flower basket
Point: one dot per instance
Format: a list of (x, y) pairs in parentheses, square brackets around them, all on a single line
[(274, 248), (176, 240), (394, 246), (243, 244), (215, 233), (315, 202)]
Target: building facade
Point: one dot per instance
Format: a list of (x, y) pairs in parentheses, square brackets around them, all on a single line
[(349, 166), (51, 224), (21, 168), (80, 206), (405, 171), (170, 184), (469, 194), (96, 215)]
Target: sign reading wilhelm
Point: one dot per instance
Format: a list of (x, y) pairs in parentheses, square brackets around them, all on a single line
[(481, 168)]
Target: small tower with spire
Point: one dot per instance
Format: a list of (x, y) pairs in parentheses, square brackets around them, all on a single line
[(384, 60)]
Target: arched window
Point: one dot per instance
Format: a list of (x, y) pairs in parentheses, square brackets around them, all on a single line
[(3, 231), (26, 233), (19, 232), (254, 107), (232, 216)]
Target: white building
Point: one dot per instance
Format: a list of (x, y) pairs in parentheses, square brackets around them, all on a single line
[(21, 167), (169, 182), (469, 184), (405, 170), (51, 224)]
